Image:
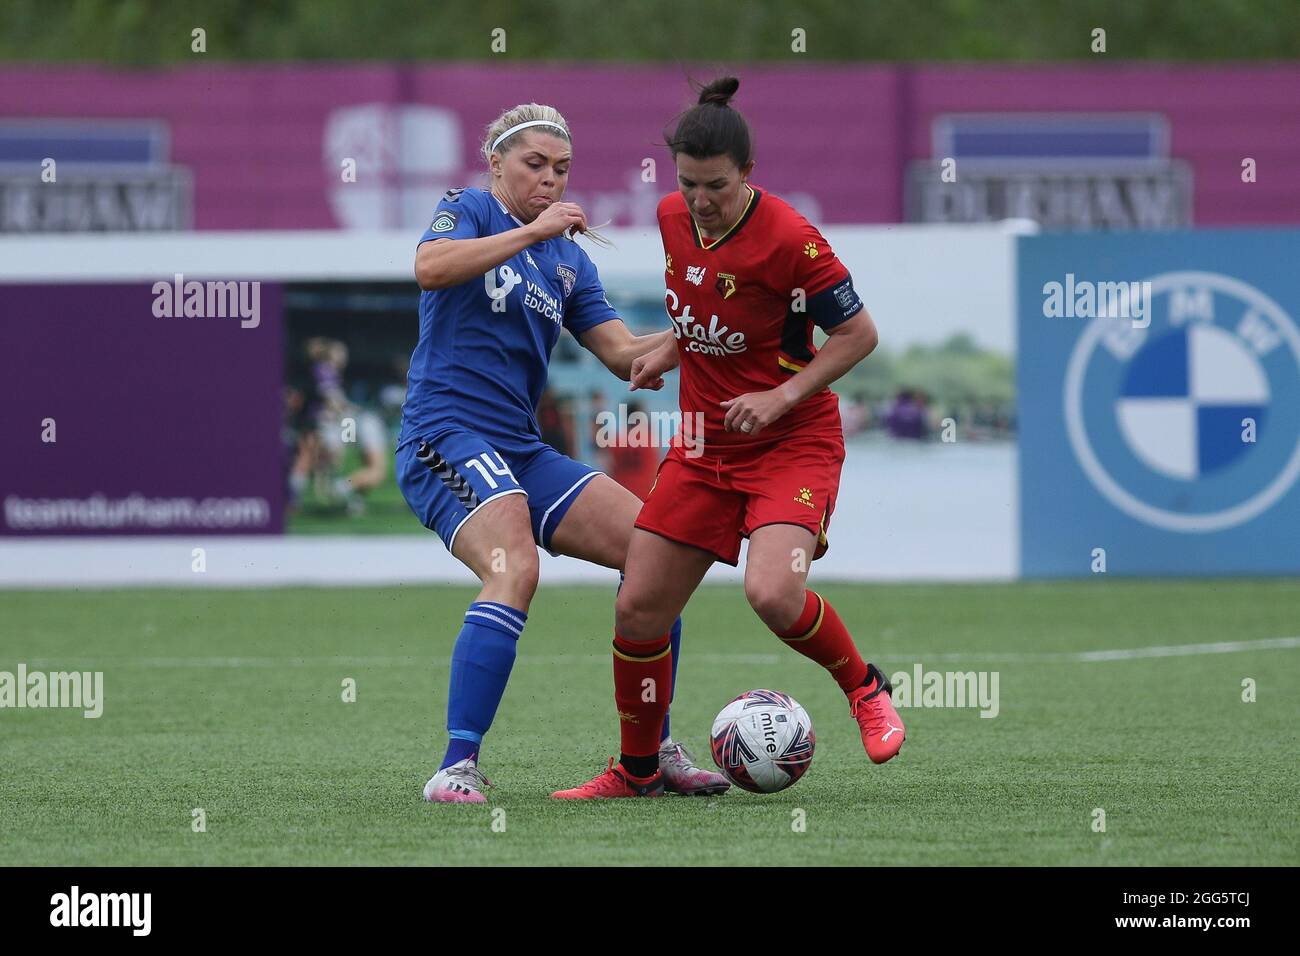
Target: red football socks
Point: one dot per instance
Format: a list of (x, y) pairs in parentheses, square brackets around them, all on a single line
[(820, 635), (643, 680)]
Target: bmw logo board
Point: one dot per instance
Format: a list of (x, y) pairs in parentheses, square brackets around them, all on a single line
[(1159, 403)]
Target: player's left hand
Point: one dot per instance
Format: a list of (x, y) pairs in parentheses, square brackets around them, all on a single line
[(757, 409)]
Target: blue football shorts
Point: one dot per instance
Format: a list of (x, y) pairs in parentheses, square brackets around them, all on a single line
[(448, 476)]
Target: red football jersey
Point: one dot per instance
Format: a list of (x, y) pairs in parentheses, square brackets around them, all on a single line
[(743, 306)]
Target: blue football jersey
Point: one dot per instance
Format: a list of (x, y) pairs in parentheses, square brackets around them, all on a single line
[(485, 345)]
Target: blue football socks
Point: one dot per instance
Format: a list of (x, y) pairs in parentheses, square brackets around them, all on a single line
[(480, 667), (675, 640)]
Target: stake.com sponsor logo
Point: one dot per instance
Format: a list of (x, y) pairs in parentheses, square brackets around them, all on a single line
[(711, 340)]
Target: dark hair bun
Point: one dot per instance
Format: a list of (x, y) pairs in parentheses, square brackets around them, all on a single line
[(720, 91), (712, 127)]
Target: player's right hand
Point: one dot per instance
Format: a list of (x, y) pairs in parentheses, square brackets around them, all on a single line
[(648, 370), (557, 218)]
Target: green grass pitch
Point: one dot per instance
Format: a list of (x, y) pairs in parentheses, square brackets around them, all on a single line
[(231, 701)]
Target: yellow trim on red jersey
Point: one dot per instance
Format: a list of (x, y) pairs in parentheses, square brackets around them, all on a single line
[(788, 364), (699, 236)]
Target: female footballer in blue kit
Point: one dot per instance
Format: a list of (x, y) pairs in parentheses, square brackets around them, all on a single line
[(501, 276)]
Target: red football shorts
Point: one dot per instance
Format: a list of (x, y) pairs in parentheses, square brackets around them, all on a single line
[(713, 501)]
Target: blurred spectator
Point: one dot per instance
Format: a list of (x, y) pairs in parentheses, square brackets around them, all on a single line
[(906, 416), (330, 422), (393, 394)]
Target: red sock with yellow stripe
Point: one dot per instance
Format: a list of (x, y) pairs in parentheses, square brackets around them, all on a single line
[(642, 705), (820, 635)]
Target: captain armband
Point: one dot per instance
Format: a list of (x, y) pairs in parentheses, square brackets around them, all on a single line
[(835, 304)]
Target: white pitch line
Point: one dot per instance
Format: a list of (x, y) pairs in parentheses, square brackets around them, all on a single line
[(1046, 657), (1119, 654), (1187, 650)]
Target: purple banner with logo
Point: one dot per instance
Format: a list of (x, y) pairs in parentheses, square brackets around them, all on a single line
[(139, 409), (373, 146)]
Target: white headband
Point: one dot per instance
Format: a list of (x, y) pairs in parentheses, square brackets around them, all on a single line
[(514, 129)]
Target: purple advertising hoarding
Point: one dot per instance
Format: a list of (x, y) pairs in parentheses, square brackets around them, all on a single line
[(267, 147), (122, 416)]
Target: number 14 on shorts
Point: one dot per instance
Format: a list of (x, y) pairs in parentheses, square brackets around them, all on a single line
[(486, 465)]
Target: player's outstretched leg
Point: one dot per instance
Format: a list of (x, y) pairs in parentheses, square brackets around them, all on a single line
[(480, 668), (820, 635), (807, 623), (485, 649)]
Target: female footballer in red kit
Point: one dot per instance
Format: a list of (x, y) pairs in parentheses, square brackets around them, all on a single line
[(747, 279)]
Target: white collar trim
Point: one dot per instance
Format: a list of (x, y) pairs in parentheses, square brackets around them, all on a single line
[(504, 209)]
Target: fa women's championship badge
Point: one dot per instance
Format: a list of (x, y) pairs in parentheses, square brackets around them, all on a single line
[(1188, 420)]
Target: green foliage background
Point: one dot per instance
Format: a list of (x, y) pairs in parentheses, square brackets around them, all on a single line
[(954, 373), (152, 32)]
